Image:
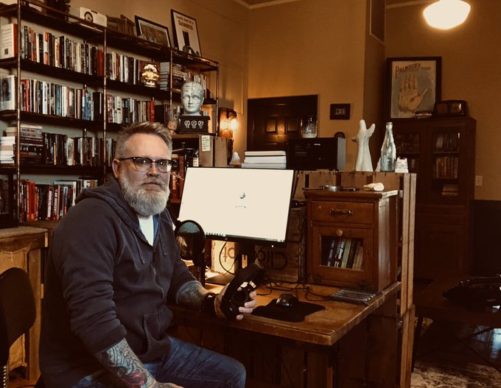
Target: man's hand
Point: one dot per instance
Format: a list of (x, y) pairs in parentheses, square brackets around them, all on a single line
[(247, 307)]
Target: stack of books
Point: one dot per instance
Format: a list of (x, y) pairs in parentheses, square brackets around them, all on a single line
[(30, 142), (7, 149), (163, 81), (265, 159)]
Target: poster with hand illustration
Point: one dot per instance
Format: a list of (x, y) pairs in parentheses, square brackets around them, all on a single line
[(414, 85)]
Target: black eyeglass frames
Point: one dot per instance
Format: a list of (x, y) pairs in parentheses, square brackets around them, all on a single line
[(144, 164)]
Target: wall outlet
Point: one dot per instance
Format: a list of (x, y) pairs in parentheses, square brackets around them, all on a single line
[(479, 180)]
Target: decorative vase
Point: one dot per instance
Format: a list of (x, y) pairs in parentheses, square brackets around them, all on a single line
[(388, 150)]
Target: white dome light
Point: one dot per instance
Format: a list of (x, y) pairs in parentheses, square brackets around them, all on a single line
[(446, 14)]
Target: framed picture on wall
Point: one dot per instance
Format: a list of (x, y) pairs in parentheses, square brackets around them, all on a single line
[(414, 85), (152, 31), (185, 33)]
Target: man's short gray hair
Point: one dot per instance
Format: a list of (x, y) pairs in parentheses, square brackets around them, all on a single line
[(145, 127)]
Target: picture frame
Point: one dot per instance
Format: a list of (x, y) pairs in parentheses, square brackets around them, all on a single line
[(185, 33), (413, 86), (152, 32), (339, 112)]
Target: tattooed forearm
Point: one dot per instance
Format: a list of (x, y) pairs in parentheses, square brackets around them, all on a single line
[(191, 295), (125, 365)]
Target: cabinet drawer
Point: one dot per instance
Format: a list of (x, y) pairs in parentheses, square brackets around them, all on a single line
[(344, 212)]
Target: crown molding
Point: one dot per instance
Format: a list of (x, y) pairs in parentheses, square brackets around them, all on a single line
[(269, 3)]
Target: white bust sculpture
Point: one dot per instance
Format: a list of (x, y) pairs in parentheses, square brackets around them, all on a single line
[(364, 162), (192, 98)]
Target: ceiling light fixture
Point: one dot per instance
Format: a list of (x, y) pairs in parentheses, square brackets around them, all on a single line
[(446, 14)]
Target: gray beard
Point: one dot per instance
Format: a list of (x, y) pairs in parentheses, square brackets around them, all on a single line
[(145, 203)]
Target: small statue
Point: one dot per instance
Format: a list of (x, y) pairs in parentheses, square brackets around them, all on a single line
[(192, 98), (150, 75), (364, 162)]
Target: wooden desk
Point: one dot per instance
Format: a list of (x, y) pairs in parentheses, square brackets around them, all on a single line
[(21, 247), (343, 345)]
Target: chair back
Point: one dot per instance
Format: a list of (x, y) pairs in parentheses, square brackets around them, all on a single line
[(17, 312)]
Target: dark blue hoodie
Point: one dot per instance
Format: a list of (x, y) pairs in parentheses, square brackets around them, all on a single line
[(105, 282)]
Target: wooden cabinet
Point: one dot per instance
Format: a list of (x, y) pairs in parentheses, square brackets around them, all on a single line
[(72, 85), (22, 248), (351, 239), (441, 151)]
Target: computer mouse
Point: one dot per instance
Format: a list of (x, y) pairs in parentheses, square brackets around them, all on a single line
[(287, 300)]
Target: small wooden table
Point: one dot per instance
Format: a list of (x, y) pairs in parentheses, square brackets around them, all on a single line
[(342, 345), (430, 303)]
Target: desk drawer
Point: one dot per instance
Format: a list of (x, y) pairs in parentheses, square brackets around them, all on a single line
[(344, 212)]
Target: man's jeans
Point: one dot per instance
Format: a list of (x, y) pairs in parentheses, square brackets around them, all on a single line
[(186, 365)]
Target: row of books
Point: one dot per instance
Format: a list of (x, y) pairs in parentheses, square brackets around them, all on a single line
[(65, 52), (341, 252), (59, 100), (61, 51), (446, 167), (447, 142), (37, 147), (50, 201), (265, 159), (126, 110)]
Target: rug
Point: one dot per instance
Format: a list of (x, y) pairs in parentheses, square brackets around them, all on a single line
[(465, 376)]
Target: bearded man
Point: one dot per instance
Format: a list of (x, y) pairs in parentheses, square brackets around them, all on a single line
[(113, 267)]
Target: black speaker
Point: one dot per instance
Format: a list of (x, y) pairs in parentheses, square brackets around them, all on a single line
[(316, 153)]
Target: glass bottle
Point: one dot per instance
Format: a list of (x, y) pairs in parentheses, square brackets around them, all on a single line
[(309, 128), (388, 150)]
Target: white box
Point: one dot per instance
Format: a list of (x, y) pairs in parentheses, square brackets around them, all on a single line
[(93, 16)]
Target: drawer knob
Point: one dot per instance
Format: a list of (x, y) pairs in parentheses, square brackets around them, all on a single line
[(340, 212), (339, 232)]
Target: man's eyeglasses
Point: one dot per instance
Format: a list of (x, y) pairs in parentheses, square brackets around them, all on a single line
[(145, 164)]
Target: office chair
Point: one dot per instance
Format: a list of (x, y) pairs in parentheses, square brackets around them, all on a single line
[(17, 313)]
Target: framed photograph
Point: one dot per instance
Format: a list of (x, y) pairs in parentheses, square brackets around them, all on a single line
[(152, 31), (414, 86), (339, 112), (185, 33), (8, 92)]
